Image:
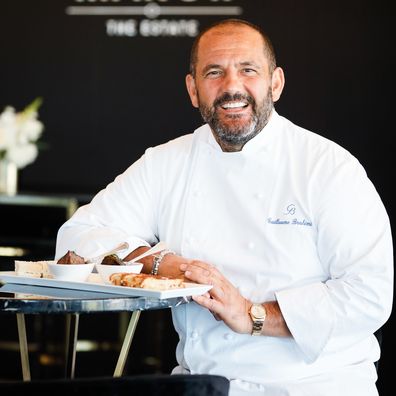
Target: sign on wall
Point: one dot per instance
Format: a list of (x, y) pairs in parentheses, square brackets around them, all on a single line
[(163, 18)]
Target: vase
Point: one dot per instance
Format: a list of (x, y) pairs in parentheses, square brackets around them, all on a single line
[(8, 177)]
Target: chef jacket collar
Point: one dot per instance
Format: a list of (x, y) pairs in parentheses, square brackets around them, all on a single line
[(261, 141)]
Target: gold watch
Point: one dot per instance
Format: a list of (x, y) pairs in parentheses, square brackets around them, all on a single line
[(257, 313)]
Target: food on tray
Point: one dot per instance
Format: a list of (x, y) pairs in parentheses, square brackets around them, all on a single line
[(146, 281), (106, 270), (112, 259), (34, 269), (71, 258)]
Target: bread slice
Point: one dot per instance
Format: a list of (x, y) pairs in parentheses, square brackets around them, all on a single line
[(146, 281), (32, 269)]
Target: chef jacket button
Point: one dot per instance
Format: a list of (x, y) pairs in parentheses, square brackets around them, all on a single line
[(196, 193), (228, 336), (251, 245), (260, 195), (194, 335)]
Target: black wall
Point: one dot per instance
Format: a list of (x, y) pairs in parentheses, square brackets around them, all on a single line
[(108, 97)]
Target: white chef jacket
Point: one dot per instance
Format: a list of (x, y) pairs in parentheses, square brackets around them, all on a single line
[(291, 217)]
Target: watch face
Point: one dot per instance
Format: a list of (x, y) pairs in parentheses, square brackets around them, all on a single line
[(258, 311)]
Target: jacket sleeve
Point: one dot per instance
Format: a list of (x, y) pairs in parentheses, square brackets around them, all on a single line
[(354, 245), (122, 212)]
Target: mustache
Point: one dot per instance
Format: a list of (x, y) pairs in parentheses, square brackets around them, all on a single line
[(227, 97)]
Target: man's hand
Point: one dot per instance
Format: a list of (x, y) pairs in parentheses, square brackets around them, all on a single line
[(223, 300)]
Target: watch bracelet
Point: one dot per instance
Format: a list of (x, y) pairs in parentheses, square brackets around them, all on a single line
[(158, 258), (257, 328)]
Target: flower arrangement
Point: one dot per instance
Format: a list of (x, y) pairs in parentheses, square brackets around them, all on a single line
[(19, 133)]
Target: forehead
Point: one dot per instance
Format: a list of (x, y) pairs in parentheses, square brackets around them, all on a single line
[(230, 43)]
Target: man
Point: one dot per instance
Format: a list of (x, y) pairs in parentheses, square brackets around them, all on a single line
[(283, 223)]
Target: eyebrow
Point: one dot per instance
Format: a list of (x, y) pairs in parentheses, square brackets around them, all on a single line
[(211, 66), (250, 63), (217, 66)]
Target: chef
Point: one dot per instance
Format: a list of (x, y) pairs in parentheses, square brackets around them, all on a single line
[(283, 223)]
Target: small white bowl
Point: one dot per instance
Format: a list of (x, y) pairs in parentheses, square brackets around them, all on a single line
[(70, 272), (105, 270)]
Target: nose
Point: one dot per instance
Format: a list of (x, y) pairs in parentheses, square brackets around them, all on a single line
[(232, 82)]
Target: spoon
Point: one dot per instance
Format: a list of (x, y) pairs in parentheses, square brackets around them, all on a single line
[(122, 246)]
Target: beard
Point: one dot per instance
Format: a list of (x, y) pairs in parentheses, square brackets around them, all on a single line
[(235, 131)]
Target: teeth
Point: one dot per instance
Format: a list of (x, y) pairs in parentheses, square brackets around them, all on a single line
[(233, 105)]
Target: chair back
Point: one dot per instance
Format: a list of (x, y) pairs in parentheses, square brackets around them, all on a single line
[(141, 385)]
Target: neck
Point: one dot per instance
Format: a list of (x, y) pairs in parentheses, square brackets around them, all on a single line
[(227, 146)]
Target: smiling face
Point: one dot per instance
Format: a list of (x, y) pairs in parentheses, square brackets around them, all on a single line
[(233, 86)]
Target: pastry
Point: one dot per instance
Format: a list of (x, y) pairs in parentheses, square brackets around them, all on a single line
[(71, 258), (146, 281), (112, 259), (33, 269)]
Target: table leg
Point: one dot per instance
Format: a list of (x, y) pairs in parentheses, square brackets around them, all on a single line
[(23, 346), (71, 344), (126, 344)]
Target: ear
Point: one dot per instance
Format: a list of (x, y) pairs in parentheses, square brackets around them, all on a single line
[(192, 90), (277, 83)]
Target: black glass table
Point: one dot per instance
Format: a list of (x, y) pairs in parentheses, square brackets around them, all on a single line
[(27, 299)]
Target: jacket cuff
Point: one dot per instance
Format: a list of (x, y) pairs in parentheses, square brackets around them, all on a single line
[(310, 317)]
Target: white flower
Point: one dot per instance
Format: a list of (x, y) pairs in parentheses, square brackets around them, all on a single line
[(22, 155), (30, 128), (8, 128), (19, 133)]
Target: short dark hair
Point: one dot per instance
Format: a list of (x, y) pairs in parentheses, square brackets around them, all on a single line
[(268, 47)]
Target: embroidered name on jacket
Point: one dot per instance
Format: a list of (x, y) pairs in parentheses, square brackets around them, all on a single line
[(290, 211), (295, 221)]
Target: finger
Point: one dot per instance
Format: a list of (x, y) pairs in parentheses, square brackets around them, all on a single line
[(199, 266), (219, 291), (211, 304), (217, 317), (206, 275), (205, 302)]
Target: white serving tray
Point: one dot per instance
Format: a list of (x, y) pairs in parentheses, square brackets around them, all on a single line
[(95, 283)]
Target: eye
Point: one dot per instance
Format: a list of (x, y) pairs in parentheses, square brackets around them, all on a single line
[(249, 71), (213, 73)]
